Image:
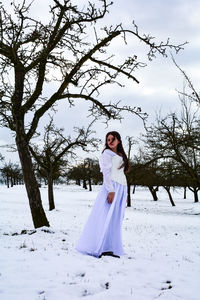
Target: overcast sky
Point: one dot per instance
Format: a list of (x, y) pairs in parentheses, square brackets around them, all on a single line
[(177, 19)]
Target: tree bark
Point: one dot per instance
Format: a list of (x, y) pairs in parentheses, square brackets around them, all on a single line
[(134, 189), (153, 192), (196, 198), (7, 181), (167, 188), (11, 181), (185, 189), (37, 211), (84, 184), (50, 193), (195, 191), (128, 194), (90, 184)]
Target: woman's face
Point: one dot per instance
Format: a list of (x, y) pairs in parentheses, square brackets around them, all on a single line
[(112, 142)]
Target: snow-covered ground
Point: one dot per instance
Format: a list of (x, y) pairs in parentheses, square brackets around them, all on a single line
[(161, 242)]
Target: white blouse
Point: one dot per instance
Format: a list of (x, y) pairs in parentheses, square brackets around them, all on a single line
[(110, 163)]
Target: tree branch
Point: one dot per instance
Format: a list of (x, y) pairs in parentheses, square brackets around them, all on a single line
[(114, 68)]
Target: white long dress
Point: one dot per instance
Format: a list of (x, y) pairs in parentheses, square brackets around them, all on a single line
[(103, 229)]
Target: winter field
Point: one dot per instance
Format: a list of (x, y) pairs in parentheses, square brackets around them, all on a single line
[(161, 242)]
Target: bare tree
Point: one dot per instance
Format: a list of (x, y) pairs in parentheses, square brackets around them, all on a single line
[(131, 142), (36, 51), (153, 175), (167, 177), (145, 174), (176, 137), (52, 158), (191, 92)]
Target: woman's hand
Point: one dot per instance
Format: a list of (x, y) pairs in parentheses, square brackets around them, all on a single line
[(110, 197)]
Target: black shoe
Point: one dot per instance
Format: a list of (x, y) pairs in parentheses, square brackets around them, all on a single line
[(114, 255), (109, 253)]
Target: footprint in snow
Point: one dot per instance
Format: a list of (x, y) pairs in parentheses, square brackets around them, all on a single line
[(169, 285)]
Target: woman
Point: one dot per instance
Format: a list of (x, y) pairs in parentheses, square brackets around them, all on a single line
[(102, 232)]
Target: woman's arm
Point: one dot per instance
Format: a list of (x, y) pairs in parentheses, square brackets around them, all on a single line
[(105, 162)]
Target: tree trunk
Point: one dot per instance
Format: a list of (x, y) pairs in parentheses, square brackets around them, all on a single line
[(84, 184), (50, 193), (11, 181), (167, 188), (7, 181), (196, 199), (33, 192), (90, 184), (128, 194), (195, 191), (134, 188), (153, 192), (185, 189)]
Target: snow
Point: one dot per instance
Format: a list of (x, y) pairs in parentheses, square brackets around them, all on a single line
[(161, 243)]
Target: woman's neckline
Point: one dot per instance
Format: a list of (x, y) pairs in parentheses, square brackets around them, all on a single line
[(114, 152)]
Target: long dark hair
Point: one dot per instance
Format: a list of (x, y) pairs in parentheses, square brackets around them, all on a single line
[(120, 149)]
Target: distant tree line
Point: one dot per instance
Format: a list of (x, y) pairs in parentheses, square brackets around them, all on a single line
[(166, 174), (11, 174), (86, 173)]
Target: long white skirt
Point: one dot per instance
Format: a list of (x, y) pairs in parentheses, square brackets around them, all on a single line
[(103, 229)]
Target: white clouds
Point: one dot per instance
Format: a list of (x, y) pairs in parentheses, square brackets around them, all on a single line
[(177, 19)]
